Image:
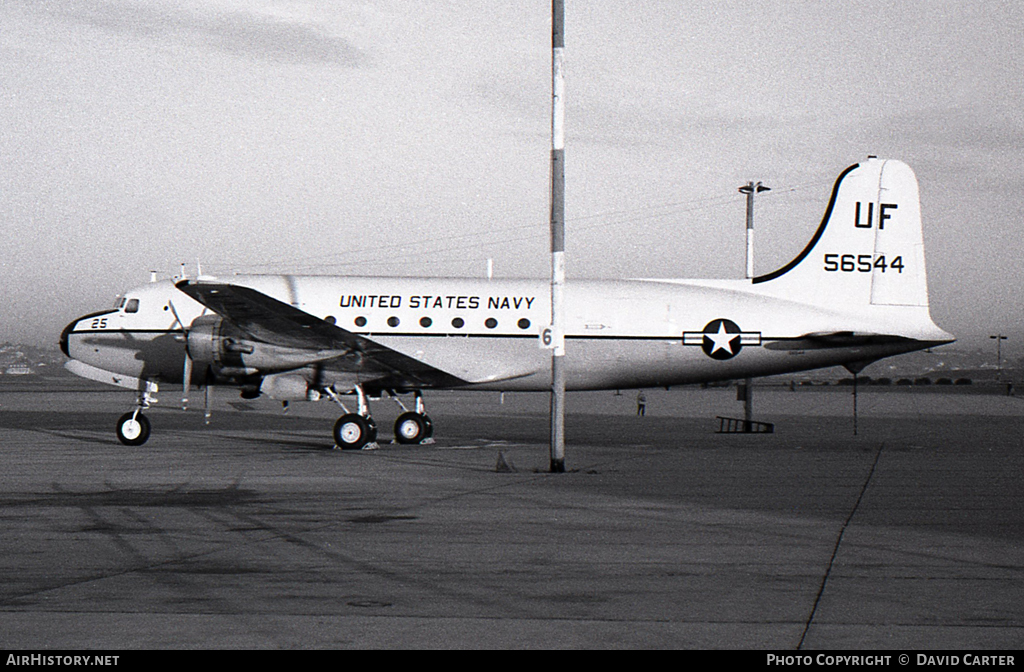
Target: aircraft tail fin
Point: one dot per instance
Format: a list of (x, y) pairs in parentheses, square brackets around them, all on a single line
[(869, 248)]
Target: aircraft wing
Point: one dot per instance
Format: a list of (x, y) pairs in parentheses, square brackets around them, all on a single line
[(271, 321)]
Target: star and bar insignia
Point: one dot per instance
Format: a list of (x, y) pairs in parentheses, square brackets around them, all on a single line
[(721, 339)]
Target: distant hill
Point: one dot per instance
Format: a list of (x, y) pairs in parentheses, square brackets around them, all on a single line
[(20, 359)]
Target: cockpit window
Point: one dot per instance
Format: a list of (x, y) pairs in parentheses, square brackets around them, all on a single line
[(119, 303), (132, 306)]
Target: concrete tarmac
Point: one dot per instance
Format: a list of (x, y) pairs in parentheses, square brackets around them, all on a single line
[(253, 533)]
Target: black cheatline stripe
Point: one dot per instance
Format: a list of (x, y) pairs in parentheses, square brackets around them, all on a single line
[(379, 334), (99, 313), (127, 331), (817, 234)]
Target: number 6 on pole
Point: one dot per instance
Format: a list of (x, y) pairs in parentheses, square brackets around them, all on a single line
[(550, 339)]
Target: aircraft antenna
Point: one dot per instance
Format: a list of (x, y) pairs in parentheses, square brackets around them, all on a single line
[(556, 333)]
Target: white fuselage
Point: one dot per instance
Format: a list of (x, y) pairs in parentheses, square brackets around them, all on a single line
[(618, 334)]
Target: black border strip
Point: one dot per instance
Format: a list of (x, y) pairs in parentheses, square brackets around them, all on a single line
[(817, 234)]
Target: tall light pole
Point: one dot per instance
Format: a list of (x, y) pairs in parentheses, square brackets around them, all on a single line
[(750, 189), (557, 237), (999, 338)]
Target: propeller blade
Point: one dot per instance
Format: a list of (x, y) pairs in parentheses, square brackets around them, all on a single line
[(186, 375), (186, 380), (209, 403), (177, 318)]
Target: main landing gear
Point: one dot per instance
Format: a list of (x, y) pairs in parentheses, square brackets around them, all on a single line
[(413, 426), (355, 431)]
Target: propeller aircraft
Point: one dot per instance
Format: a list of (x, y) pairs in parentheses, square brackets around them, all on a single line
[(855, 294)]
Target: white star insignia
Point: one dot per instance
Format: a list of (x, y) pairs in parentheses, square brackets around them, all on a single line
[(722, 340)]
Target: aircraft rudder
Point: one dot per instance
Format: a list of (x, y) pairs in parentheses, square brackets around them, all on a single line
[(898, 276)]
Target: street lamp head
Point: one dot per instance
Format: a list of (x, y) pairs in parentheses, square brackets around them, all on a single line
[(752, 187)]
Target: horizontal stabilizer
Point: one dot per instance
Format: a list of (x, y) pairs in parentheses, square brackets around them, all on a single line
[(837, 339)]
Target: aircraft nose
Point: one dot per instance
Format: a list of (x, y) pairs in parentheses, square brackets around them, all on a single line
[(64, 338)]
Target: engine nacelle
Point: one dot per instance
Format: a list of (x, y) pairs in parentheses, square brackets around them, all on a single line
[(230, 355), (288, 387), (220, 348)]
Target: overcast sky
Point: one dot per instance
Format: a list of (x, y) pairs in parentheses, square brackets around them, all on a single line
[(393, 138)]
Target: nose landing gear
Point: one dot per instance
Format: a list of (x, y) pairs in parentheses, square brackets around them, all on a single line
[(133, 428)]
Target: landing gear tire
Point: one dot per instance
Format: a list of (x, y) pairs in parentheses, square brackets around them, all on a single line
[(133, 429), (413, 427), (353, 431)]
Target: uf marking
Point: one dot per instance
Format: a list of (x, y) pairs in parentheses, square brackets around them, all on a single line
[(882, 215)]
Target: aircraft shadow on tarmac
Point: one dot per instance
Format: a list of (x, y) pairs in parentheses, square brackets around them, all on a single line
[(311, 433), (262, 429)]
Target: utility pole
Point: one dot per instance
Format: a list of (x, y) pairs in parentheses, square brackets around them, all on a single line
[(557, 329), (750, 189), (999, 338)]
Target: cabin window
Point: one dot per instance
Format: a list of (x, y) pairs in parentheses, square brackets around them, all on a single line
[(360, 321), (458, 322), (425, 322), (490, 323), (524, 323), (393, 322), (132, 306)]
